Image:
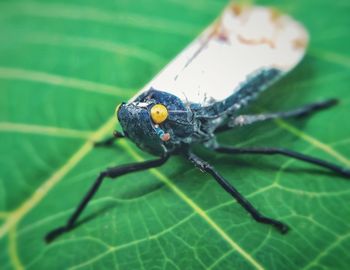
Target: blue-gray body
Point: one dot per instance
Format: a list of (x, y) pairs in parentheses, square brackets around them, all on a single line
[(187, 123)]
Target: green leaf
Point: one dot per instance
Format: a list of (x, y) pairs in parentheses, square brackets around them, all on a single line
[(64, 67)]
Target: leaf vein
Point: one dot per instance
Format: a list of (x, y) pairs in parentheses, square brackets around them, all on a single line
[(93, 14), (313, 141), (44, 130), (53, 79), (197, 209), (13, 250), (56, 177)]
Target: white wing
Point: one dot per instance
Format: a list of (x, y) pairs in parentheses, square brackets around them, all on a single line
[(241, 42)]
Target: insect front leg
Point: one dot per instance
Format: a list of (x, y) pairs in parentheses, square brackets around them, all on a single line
[(345, 172), (108, 173), (206, 167), (111, 140), (306, 110)]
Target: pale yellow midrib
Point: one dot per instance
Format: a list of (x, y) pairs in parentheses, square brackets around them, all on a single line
[(44, 130), (195, 207), (87, 147), (20, 212), (4, 214), (40, 193)]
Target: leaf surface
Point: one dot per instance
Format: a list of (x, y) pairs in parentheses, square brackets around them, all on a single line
[(65, 65)]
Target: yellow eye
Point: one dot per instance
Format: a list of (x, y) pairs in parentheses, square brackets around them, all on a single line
[(159, 113)]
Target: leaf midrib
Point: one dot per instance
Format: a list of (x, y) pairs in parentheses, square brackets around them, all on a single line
[(174, 188), (332, 60), (15, 217)]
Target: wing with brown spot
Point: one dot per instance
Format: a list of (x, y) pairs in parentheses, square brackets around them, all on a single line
[(240, 43)]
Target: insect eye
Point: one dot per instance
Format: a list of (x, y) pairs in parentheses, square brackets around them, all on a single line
[(159, 113)]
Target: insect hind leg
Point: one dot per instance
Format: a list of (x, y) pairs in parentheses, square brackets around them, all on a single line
[(259, 217), (306, 110), (345, 172)]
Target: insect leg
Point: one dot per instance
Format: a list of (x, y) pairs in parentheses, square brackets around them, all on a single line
[(110, 141), (206, 167), (285, 152), (108, 173), (303, 111)]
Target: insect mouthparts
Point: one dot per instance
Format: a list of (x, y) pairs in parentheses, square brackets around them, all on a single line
[(161, 133)]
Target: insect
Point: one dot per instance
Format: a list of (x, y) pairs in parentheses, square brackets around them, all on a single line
[(202, 92)]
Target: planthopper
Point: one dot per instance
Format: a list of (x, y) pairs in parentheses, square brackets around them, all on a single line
[(202, 92)]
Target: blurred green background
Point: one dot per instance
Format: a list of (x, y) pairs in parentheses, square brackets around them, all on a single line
[(65, 65)]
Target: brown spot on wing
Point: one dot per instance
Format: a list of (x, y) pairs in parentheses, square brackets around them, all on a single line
[(299, 43), (275, 14), (261, 41), (236, 9)]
